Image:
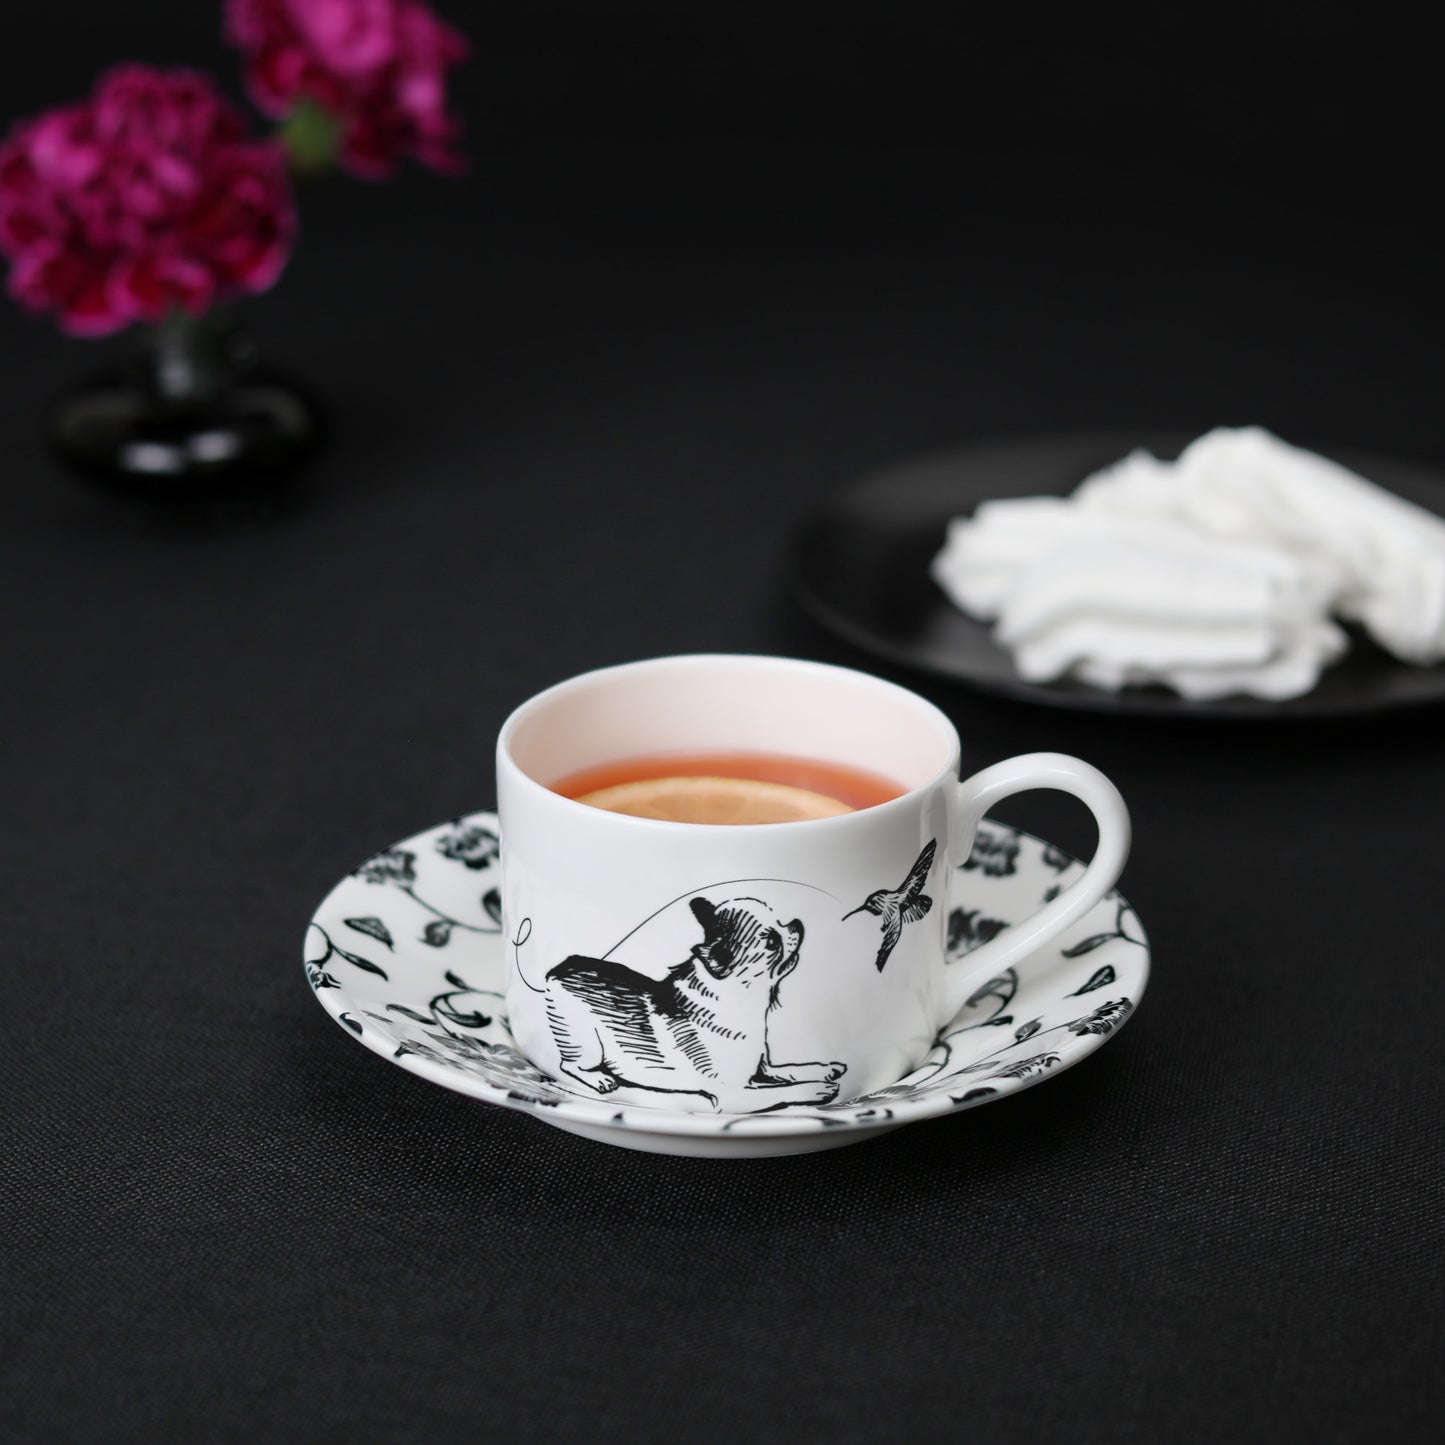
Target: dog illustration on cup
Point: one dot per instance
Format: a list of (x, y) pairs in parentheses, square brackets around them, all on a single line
[(702, 1028)]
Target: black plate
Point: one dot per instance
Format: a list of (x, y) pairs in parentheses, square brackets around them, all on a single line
[(861, 569)]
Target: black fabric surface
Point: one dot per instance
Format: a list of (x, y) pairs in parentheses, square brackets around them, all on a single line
[(705, 268)]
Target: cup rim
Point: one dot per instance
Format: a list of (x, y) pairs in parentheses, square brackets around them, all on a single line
[(664, 826)]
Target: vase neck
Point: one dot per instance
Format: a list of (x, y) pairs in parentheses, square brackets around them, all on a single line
[(194, 358)]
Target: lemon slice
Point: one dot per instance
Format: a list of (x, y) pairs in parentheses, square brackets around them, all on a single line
[(714, 800)]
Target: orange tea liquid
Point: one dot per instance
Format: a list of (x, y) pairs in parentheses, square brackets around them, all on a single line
[(731, 787)]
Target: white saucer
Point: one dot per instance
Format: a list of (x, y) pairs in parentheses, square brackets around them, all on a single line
[(406, 954)]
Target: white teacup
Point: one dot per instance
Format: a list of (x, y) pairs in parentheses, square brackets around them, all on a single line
[(757, 967)]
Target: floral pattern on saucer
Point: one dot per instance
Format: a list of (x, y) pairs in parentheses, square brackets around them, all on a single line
[(406, 953)]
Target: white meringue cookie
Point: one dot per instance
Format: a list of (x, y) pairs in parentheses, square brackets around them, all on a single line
[(1215, 574)]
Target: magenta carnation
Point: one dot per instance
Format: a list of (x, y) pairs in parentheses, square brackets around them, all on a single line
[(379, 67), (143, 199)]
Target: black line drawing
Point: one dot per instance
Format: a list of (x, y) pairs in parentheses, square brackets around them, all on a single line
[(443, 1011), (968, 930), (316, 967), (896, 906), (445, 1019), (466, 843), (1002, 990), (374, 928), (703, 1028), (1018, 1069), (1120, 930), (397, 866), (1105, 1019), (657, 912), (995, 849), (1100, 978)]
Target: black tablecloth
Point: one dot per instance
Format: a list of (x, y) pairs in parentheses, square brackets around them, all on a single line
[(579, 399)]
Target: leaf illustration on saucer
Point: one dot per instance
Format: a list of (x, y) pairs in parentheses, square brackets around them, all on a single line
[(358, 961), (1105, 1019), (501, 1066), (1027, 1068), (409, 1013), (1088, 945), (1097, 979), (456, 981), (1002, 988), (469, 844), (350, 1023), (1126, 915), (492, 903), (967, 931), (437, 932), (445, 1010), (395, 865), (1019, 1069), (971, 1095), (374, 927), (546, 1101), (403, 1049), (994, 851), (1028, 1030)]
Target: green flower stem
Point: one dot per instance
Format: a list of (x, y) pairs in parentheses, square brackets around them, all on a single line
[(312, 138)]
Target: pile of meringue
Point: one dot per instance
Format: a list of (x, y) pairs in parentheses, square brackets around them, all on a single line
[(1222, 572)]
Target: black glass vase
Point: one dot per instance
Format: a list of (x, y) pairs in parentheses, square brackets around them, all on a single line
[(194, 422)]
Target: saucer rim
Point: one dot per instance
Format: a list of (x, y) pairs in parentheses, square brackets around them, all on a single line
[(723, 1128)]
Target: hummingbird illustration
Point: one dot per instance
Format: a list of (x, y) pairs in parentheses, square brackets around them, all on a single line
[(896, 906)]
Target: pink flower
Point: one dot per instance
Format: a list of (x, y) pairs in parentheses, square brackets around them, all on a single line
[(144, 198), (379, 67)]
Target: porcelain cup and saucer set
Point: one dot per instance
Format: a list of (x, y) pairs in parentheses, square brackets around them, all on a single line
[(737, 990)]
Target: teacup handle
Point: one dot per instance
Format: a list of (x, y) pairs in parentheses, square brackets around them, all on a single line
[(976, 795)]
